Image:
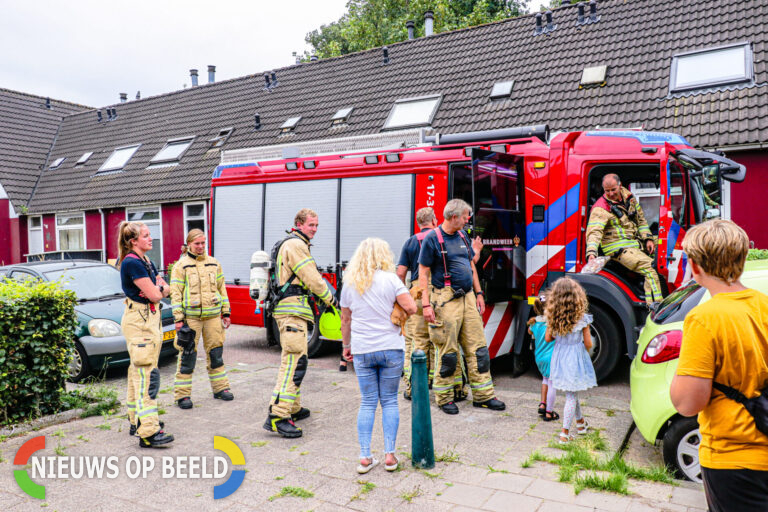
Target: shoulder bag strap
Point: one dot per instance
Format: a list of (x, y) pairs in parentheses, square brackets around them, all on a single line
[(733, 394), (443, 252)]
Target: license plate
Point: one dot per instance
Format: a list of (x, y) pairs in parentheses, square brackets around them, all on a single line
[(169, 335)]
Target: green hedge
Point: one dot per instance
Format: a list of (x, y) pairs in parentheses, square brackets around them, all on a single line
[(37, 326), (757, 254)]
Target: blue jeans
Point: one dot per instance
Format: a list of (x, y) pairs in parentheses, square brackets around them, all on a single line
[(378, 374)]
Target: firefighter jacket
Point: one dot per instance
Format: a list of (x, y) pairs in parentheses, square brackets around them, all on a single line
[(616, 225), (197, 288), (294, 259)]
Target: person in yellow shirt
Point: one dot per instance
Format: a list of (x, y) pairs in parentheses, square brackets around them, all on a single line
[(725, 341)]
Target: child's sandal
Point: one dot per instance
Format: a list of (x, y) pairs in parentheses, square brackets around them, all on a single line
[(565, 438), (551, 416), (542, 408), (582, 428)]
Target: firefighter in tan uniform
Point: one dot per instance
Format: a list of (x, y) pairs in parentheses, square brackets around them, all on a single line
[(416, 332), (199, 299), (298, 277), (452, 309), (141, 320), (618, 225)]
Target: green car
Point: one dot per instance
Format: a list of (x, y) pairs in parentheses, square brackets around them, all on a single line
[(658, 349)]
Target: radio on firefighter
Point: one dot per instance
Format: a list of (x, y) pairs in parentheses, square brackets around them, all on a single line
[(261, 265)]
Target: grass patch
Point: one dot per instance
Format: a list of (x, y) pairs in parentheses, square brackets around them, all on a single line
[(296, 492), (409, 495), (365, 488), (293, 448), (83, 438), (610, 413), (59, 450), (106, 425), (429, 474), (303, 453), (492, 469), (259, 444), (93, 399), (449, 455), (279, 477), (583, 458), (166, 390)]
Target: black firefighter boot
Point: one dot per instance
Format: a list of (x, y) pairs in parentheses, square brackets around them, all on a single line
[(156, 440), (132, 430), (283, 426)]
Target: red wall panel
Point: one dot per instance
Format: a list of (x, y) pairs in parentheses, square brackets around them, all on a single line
[(49, 233), (23, 241), (112, 218), (93, 230), (6, 235), (173, 231), (748, 196)]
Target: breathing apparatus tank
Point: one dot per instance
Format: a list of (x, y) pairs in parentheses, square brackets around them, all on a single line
[(261, 265)]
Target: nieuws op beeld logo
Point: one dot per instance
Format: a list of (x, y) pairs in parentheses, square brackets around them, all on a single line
[(180, 466)]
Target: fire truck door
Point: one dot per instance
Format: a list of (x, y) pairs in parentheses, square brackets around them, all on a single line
[(499, 219)]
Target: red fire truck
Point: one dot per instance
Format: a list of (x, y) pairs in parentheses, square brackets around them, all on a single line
[(531, 202)]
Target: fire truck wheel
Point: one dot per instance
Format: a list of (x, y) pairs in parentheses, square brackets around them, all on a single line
[(605, 341)]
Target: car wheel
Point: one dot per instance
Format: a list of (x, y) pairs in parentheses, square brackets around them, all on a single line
[(605, 342), (681, 448), (315, 345), (78, 364)]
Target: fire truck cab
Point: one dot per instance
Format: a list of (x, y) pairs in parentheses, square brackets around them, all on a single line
[(531, 201)]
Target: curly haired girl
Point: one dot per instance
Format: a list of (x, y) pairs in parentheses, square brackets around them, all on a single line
[(571, 367)]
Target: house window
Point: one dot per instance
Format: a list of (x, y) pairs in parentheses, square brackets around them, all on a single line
[(290, 124), (412, 112), (342, 116), (150, 215), (502, 90), (119, 158), (594, 75), (70, 232), (84, 158), (195, 217), (57, 163), (711, 67), (172, 151), (35, 228), (221, 138)]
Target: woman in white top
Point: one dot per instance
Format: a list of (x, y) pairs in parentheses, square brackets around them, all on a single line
[(370, 291)]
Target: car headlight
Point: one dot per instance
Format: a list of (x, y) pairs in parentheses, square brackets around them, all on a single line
[(102, 328)]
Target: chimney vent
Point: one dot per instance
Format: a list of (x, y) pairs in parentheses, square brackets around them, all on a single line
[(211, 74), (296, 57), (385, 52), (48, 103), (429, 23), (256, 121), (266, 81), (581, 13), (193, 77), (538, 29), (138, 95), (313, 58), (114, 113), (98, 116), (593, 11), (123, 97), (275, 83), (548, 14), (410, 25)]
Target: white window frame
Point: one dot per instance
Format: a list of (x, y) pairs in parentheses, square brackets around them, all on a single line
[(129, 209), (180, 140), (62, 228), (221, 137), (204, 218), (104, 168), (342, 116), (289, 126), (703, 84), (30, 230), (84, 158), (502, 90), (57, 163), (417, 99)]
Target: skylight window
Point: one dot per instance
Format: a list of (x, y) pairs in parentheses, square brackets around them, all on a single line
[(342, 116), (711, 67), (412, 112), (502, 90), (593, 76), (119, 158), (84, 158), (172, 151), (221, 138), (290, 124), (57, 162)]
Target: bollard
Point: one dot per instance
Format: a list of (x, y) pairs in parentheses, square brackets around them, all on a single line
[(422, 447)]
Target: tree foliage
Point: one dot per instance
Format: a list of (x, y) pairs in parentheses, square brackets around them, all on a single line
[(371, 23)]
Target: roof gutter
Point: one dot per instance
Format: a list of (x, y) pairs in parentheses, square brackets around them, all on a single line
[(739, 147)]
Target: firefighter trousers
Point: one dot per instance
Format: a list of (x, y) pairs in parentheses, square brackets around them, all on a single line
[(286, 396), (636, 260), (213, 343), (417, 338), (144, 339), (458, 324)]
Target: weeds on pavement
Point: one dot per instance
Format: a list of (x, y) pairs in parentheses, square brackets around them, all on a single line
[(409, 495), (296, 492)]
